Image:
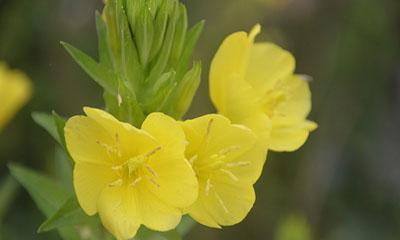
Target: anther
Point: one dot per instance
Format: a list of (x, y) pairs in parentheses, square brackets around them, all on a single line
[(136, 181), (208, 186), (153, 181), (221, 202), (152, 152), (230, 174), (151, 170), (238, 164), (116, 183), (194, 158)]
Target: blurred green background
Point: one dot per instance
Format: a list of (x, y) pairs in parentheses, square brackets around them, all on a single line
[(344, 183)]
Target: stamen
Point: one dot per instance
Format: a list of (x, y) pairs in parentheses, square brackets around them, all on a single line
[(194, 158), (152, 152), (116, 183), (227, 150), (137, 180), (208, 186), (221, 202), (151, 170), (117, 145), (237, 164), (230, 174), (153, 181), (209, 128)]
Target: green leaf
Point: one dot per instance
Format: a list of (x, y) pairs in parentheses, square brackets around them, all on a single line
[(99, 74), (104, 51), (53, 124), (130, 69), (160, 25), (60, 124), (46, 121), (69, 214), (181, 99), (161, 61), (180, 35), (144, 34), (186, 225), (147, 234), (191, 40), (8, 191), (46, 193)]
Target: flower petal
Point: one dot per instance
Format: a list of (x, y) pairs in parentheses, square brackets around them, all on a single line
[(225, 205), (118, 210), (231, 58), (268, 63), (156, 214), (130, 140), (289, 134), (177, 181), (89, 181), (298, 98), (15, 90), (86, 141)]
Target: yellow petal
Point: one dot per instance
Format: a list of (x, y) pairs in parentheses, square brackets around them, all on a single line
[(199, 213), (87, 141), (268, 63), (231, 58), (227, 204), (156, 214), (118, 211), (177, 181), (15, 90), (297, 101), (289, 134), (89, 181), (167, 131), (130, 140), (228, 160)]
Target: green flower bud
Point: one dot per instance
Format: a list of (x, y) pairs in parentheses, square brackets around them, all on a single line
[(144, 51)]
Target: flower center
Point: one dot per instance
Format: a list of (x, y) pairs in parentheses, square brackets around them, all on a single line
[(133, 170), (136, 169), (273, 98)]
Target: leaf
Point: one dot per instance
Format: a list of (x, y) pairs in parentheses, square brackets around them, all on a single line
[(46, 193), (147, 234), (104, 52), (60, 124), (181, 99), (98, 73), (191, 40), (160, 25), (186, 225), (144, 34), (180, 36), (8, 190), (53, 124), (161, 61), (69, 214), (46, 121)]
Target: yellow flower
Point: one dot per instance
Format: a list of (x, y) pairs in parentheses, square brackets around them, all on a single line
[(254, 84), (130, 176), (15, 90), (227, 163)]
